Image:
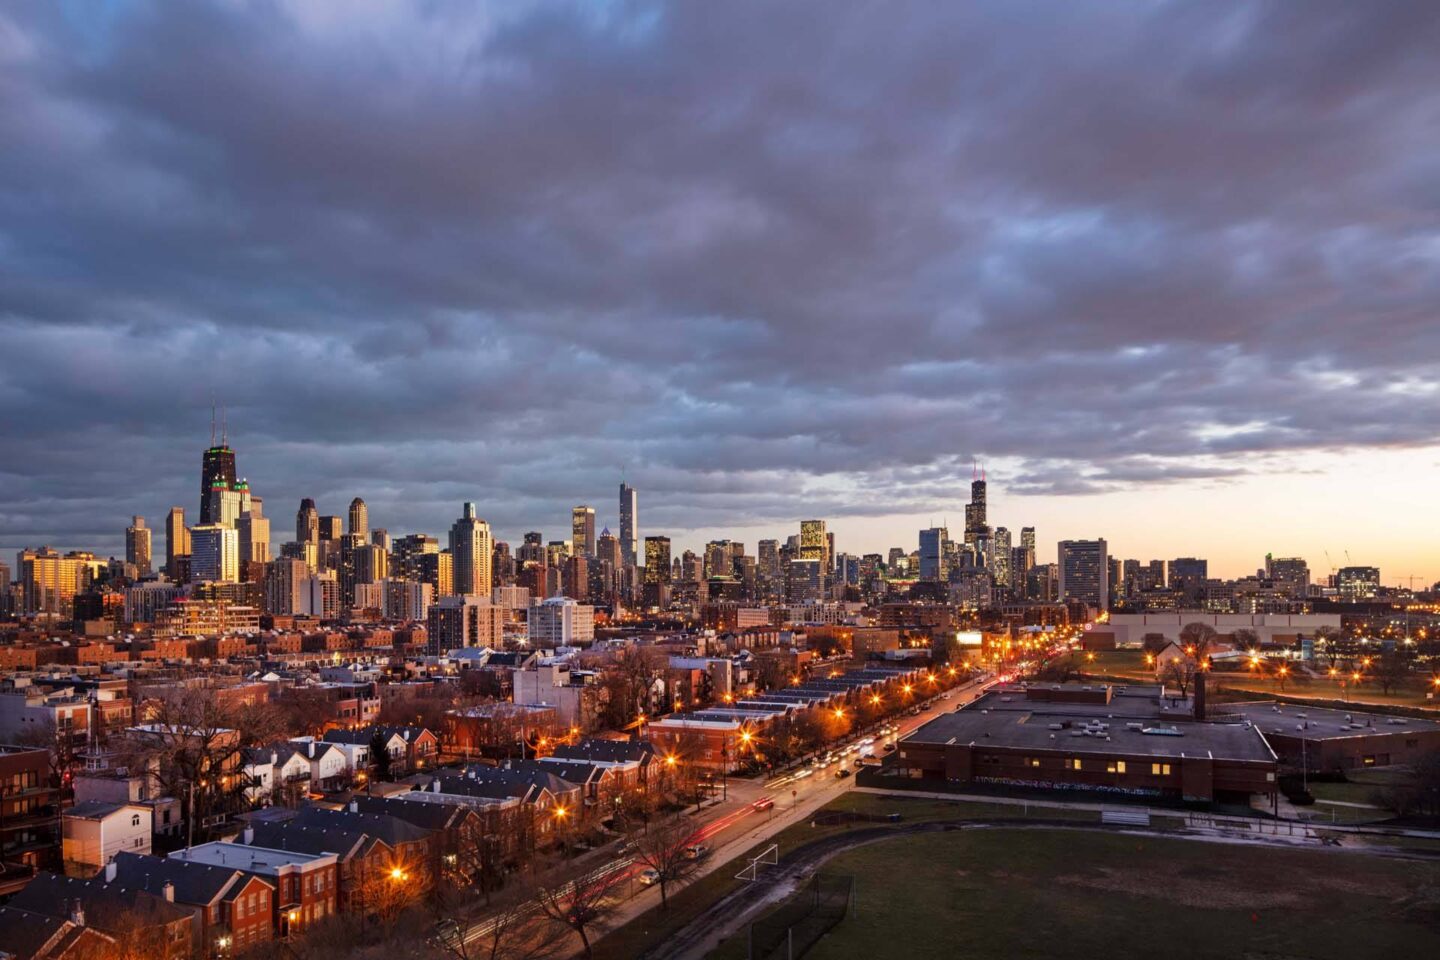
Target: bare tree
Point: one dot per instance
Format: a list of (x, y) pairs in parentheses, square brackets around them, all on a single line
[(1328, 639), (1390, 670), (1197, 639), (583, 905), (513, 928), (1246, 639), (663, 849), (1179, 673)]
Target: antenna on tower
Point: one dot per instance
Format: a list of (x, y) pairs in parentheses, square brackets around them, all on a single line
[(224, 431), (974, 469), (212, 421)]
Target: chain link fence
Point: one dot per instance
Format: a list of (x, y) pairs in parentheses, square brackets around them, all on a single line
[(787, 932)]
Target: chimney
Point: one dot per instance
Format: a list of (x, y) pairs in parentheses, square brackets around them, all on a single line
[(77, 913), (354, 806), (312, 749), (1199, 694), (247, 836), (168, 891), (435, 785), (274, 757), (110, 872)]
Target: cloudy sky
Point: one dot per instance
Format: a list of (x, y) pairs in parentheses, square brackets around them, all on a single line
[(1170, 270)]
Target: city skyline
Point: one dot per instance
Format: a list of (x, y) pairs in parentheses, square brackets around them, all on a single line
[(1169, 275), (1185, 526)]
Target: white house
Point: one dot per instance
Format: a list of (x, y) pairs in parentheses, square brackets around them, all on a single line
[(329, 766), (93, 832), (259, 772)]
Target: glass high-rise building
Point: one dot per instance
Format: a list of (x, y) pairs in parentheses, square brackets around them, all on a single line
[(976, 525), (629, 518), (933, 544), (1085, 572)]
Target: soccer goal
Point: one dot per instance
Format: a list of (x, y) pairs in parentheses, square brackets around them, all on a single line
[(768, 857)]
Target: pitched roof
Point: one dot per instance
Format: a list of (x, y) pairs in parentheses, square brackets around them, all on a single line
[(29, 936), (359, 737), (196, 883), (392, 830), (428, 816), (107, 906), (298, 837), (607, 751)]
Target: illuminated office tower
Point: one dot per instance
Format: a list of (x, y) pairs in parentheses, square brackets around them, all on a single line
[(137, 545), (215, 554), (217, 472), (359, 519), (976, 525), (814, 544), (1000, 559), (582, 530), (657, 560), (934, 544), (177, 542), (254, 530), (1085, 572), (471, 548)]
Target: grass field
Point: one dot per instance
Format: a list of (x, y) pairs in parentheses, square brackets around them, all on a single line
[(655, 925), (1045, 893)]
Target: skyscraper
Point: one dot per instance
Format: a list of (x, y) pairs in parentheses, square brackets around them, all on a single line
[(657, 560), (582, 531), (307, 522), (215, 553), (976, 525), (1085, 572), (933, 543), (814, 544), (217, 472), (254, 530), (1188, 575), (1000, 558), (359, 519), (137, 545), (629, 517), (177, 542), (471, 549)]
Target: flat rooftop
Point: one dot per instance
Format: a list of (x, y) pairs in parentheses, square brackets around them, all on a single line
[(1319, 723), (1061, 730), (244, 856)]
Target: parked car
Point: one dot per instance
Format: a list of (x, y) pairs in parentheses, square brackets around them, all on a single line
[(889, 747), (648, 877)]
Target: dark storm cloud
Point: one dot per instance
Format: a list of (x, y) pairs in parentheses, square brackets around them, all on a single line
[(768, 260)]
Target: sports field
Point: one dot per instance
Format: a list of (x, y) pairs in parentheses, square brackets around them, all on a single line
[(1051, 893)]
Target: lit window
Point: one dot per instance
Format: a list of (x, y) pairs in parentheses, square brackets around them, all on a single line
[(1034, 761), (1075, 763), (1160, 769)]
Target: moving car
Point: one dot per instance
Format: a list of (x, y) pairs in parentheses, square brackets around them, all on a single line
[(764, 803), (695, 851), (842, 772), (648, 877)]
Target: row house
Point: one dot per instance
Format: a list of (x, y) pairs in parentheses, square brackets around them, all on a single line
[(306, 884), (152, 925), (411, 749), (231, 910), (35, 936)]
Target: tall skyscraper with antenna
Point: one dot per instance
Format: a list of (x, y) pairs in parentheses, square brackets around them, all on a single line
[(217, 471), (976, 526), (629, 518)]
